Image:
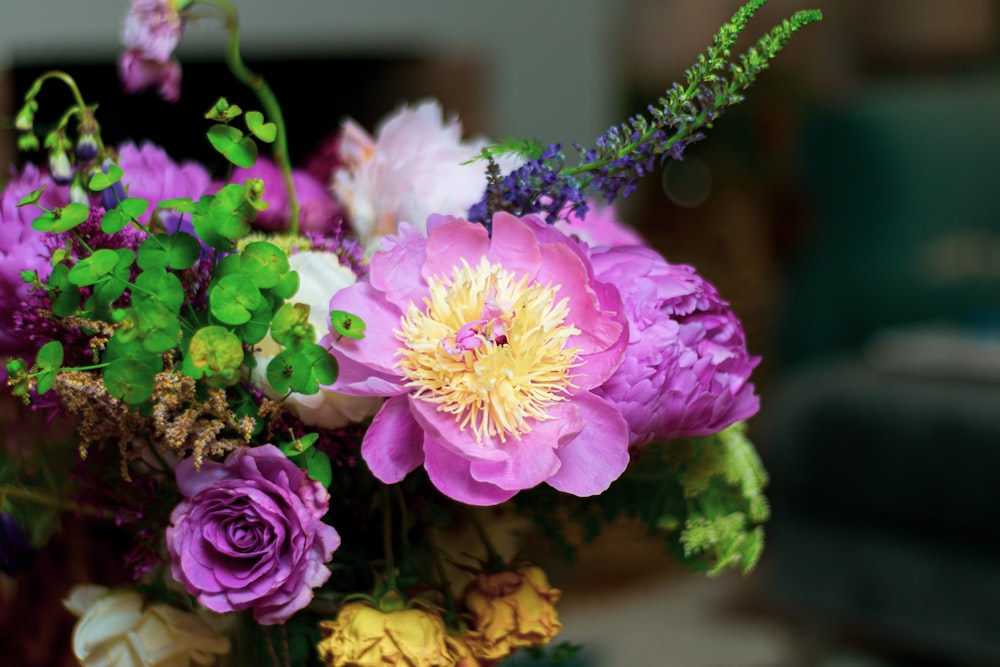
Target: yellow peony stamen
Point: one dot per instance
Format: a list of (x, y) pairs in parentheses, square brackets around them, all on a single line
[(517, 371)]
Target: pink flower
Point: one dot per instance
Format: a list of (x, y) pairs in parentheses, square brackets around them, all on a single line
[(488, 349), (152, 175), (249, 534), (600, 226), (409, 170), (22, 249), (151, 32), (686, 370), (138, 74), (318, 212)]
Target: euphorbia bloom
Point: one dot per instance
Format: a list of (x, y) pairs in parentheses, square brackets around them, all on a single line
[(488, 348)]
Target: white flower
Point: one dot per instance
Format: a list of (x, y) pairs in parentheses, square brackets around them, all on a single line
[(321, 275), (409, 170), (116, 630)]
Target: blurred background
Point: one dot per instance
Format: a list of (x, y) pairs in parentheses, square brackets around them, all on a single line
[(848, 210)]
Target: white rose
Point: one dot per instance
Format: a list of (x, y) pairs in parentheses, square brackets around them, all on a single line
[(321, 275), (115, 630)]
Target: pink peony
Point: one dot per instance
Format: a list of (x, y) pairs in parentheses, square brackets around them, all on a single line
[(139, 74), (249, 534), (410, 170), (488, 349), (151, 175), (599, 226), (686, 369), (318, 212), (22, 249)]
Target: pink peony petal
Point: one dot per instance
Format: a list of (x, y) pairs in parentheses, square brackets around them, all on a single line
[(514, 245), (599, 454), (452, 242), (393, 443), (444, 428), (450, 474), (378, 348), (532, 459), (396, 263)]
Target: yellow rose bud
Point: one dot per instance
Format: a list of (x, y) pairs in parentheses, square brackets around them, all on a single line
[(512, 610), (364, 636)]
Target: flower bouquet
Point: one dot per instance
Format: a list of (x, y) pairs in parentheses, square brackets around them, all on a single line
[(288, 389)]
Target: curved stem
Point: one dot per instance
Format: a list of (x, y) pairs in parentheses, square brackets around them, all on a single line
[(36, 87), (268, 100)]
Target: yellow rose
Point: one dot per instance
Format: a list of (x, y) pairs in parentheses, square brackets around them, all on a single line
[(512, 610), (364, 636), (464, 654), (116, 628)]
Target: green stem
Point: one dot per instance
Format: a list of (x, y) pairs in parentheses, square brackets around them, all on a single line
[(494, 560), (36, 87), (267, 98), (390, 563)]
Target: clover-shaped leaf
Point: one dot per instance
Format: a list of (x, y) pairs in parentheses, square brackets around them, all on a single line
[(63, 295), (238, 149), (102, 181), (122, 214), (161, 286), (266, 132), (232, 298), (253, 330), (178, 251), (107, 292), (61, 219), (90, 270), (215, 353), (290, 326), (131, 380), (347, 324), (48, 361), (31, 198), (264, 263)]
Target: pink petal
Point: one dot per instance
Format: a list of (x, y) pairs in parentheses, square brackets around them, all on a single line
[(450, 474), (356, 379), (514, 245), (601, 365), (599, 454), (451, 242), (443, 427), (378, 348), (532, 459), (393, 443), (396, 265)]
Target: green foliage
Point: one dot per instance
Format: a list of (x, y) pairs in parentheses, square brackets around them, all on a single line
[(102, 181), (234, 146), (61, 219), (347, 324), (704, 495)]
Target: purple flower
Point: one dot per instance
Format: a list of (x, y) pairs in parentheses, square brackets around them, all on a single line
[(15, 548), (686, 369), (488, 349), (249, 534), (150, 174), (318, 212), (22, 249)]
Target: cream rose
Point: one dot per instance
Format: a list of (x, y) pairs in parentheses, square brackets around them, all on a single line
[(116, 629), (321, 275)]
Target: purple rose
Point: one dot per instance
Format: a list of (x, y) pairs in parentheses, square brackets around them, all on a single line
[(249, 534), (686, 370)]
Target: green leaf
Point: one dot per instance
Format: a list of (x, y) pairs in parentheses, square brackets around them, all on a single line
[(106, 292), (64, 296), (45, 380), (32, 197), (287, 286), (290, 326), (319, 468), (216, 351), (132, 380), (178, 251), (254, 329), (102, 181), (91, 269), (324, 365), (347, 325), (161, 286), (50, 356), (233, 298), (264, 263), (179, 204), (266, 132), (240, 150), (62, 220), (113, 221)]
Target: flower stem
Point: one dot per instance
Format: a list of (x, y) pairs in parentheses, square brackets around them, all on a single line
[(390, 563), (47, 500), (268, 100)]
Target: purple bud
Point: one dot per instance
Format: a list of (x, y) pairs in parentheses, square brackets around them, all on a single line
[(15, 548), (86, 147)]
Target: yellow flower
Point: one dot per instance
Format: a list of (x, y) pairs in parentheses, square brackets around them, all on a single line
[(465, 655), (512, 610), (364, 636)]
